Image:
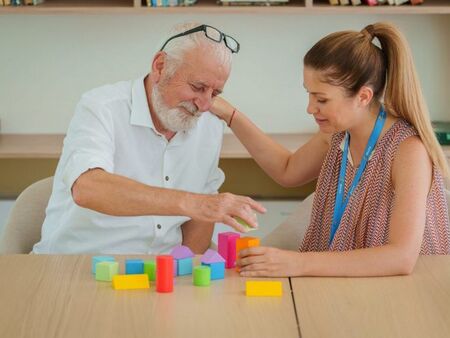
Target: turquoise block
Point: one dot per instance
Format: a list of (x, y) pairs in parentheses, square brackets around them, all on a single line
[(217, 270), (134, 266), (98, 259), (184, 266)]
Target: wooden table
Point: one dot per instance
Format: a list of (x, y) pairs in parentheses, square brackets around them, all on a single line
[(408, 306), (57, 296)]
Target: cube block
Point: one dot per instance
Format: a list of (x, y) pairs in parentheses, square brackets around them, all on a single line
[(134, 266), (98, 259), (105, 271), (184, 266), (217, 270)]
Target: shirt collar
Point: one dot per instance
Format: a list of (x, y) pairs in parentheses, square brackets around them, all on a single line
[(140, 112)]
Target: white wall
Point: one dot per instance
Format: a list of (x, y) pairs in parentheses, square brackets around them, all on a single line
[(47, 62)]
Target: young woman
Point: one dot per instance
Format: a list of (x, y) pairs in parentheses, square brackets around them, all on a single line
[(380, 197)]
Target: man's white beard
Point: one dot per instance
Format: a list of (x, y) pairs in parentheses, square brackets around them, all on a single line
[(175, 119)]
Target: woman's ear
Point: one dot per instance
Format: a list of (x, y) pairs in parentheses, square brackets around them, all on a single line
[(158, 64), (365, 96)]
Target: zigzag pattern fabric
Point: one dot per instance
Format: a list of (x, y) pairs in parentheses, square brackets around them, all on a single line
[(365, 222)]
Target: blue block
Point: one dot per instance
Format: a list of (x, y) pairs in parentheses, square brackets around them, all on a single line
[(134, 266), (175, 267), (217, 270), (98, 259), (184, 266)]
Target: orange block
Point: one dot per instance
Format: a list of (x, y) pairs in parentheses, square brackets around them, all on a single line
[(244, 243)]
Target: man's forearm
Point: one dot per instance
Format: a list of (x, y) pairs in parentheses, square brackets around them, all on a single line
[(120, 196), (197, 235)]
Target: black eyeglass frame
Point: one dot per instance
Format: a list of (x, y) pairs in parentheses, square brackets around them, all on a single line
[(202, 28)]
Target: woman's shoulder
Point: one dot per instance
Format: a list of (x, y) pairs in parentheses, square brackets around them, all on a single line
[(411, 159)]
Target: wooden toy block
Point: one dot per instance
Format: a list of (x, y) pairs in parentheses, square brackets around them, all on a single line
[(247, 227), (216, 263), (181, 251), (164, 273), (134, 266), (227, 247), (98, 259), (263, 288), (105, 271), (202, 275), (244, 243), (129, 282), (217, 270), (150, 270), (184, 266)]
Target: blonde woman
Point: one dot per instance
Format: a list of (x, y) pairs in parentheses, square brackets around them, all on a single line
[(380, 198)]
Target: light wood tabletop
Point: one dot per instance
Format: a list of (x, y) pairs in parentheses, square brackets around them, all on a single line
[(57, 296), (417, 305)]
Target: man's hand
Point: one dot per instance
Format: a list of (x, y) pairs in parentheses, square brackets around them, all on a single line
[(224, 208)]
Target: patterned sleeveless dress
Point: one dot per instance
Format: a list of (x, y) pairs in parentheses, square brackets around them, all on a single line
[(365, 222)]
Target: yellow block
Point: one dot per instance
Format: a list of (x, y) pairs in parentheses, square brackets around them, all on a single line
[(263, 288), (127, 282)]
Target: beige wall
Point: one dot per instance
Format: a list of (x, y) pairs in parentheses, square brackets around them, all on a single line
[(47, 62)]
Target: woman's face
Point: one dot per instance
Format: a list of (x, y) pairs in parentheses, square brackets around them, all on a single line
[(331, 107)]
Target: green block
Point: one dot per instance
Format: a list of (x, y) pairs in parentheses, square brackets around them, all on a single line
[(105, 271), (202, 275), (150, 269), (247, 227)]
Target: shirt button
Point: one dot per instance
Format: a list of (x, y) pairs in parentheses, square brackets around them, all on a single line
[(158, 226), (167, 178)]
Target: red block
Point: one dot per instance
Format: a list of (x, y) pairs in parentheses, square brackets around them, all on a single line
[(164, 273)]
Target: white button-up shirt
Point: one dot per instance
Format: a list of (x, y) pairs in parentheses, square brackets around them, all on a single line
[(112, 129)]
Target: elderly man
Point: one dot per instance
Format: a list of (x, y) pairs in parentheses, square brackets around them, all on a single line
[(139, 168)]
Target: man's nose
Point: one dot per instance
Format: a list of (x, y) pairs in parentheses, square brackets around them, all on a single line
[(204, 100)]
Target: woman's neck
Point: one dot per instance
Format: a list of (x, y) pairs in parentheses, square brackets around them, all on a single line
[(360, 134)]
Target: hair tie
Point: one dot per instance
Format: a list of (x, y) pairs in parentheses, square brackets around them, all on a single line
[(369, 32)]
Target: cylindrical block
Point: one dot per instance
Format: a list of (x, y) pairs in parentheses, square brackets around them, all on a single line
[(202, 275), (164, 273)]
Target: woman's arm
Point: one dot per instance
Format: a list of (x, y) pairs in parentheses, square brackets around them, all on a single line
[(281, 165), (411, 176)]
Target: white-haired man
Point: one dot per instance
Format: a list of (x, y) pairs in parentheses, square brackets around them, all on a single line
[(139, 168)]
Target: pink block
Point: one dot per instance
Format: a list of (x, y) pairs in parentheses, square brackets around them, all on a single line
[(227, 248)]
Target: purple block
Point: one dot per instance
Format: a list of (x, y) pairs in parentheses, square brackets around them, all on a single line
[(227, 247), (212, 256), (181, 251)]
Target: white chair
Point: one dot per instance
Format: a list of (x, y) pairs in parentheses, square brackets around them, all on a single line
[(289, 234), (23, 227)]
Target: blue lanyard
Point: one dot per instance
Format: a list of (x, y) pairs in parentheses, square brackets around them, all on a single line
[(340, 203)]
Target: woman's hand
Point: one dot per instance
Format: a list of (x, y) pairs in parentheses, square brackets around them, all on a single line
[(222, 109), (269, 262)]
